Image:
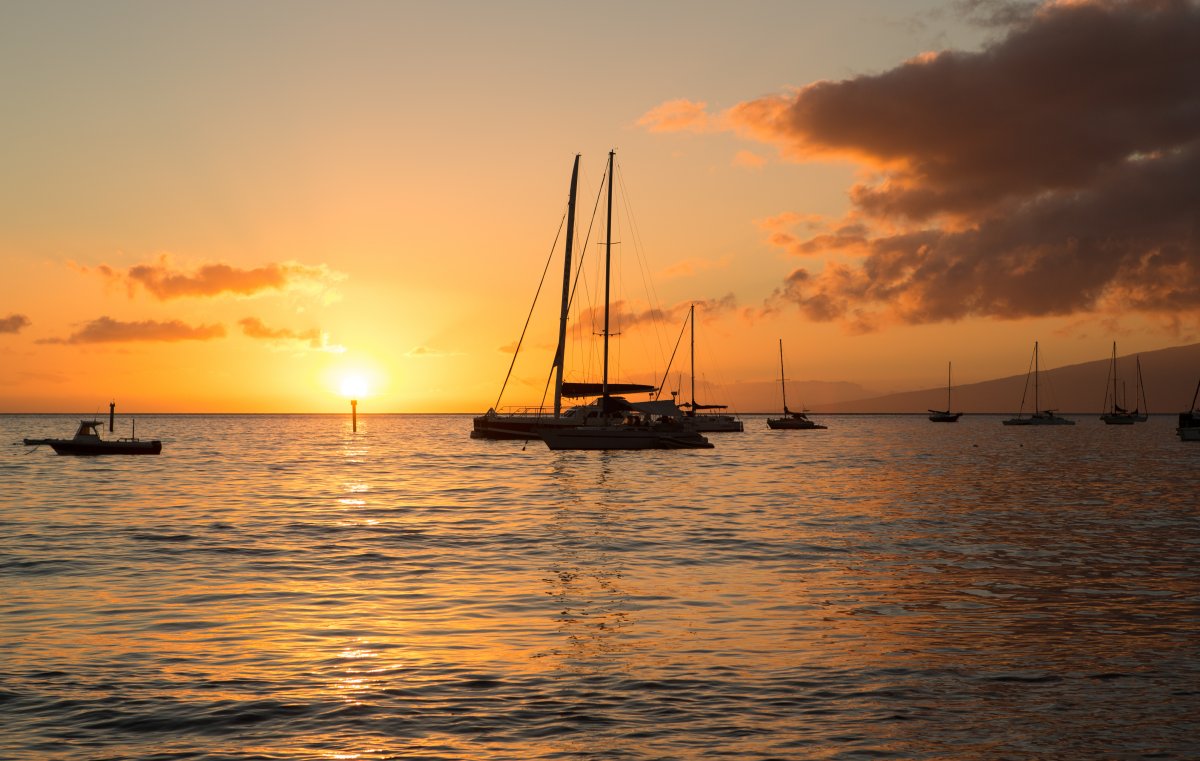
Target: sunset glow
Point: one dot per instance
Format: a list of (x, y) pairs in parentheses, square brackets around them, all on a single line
[(218, 236)]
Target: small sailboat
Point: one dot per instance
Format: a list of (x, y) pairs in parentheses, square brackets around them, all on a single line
[(1039, 416), (1115, 414), (87, 440), (945, 416), (612, 422), (707, 422), (1189, 422), (791, 421)]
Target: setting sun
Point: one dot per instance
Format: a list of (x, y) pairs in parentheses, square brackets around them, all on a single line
[(354, 385)]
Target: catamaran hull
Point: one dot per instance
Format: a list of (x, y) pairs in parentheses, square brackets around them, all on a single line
[(1188, 434), (511, 427), (583, 438)]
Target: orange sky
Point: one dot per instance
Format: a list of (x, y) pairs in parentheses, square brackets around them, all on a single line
[(221, 207)]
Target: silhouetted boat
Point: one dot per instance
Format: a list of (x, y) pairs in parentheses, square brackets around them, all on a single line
[(705, 422), (87, 441), (1189, 422), (791, 421), (524, 424), (945, 416), (614, 423), (1039, 416), (1115, 414)]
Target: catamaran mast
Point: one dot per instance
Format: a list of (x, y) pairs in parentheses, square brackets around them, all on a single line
[(566, 291), (607, 274)]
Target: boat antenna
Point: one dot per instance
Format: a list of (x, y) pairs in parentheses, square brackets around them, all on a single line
[(112, 406)]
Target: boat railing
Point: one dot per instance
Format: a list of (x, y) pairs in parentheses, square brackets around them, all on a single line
[(528, 411)]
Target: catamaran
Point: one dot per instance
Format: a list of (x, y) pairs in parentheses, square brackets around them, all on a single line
[(615, 423)]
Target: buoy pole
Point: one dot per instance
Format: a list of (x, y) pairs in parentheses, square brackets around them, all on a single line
[(354, 415), (112, 406)]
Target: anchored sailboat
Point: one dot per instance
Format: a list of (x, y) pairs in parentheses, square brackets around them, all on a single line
[(791, 421), (1039, 416), (945, 416), (611, 422), (708, 422), (1115, 414)]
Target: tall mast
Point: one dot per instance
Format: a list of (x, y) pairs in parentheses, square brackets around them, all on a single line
[(1114, 378), (1036, 406), (782, 381), (607, 274), (692, 351), (566, 291), (948, 365)]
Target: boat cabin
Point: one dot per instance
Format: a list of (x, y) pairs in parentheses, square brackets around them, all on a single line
[(88, 429)]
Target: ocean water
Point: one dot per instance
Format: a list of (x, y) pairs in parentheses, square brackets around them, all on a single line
[(278, 587)]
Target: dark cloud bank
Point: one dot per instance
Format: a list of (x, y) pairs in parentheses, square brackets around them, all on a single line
[(1055, 171)]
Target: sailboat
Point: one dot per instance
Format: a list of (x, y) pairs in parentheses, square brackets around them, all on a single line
[(945, 416), (1115, 414), (1039, 416), (611, 422), (708, 422), (791, 421), (524, 424)]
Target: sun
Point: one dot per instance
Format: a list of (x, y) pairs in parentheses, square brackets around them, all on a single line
[(354, 385)]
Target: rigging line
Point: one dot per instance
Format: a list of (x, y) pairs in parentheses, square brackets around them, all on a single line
[(671, 361), (561, 223), (639, 250), (1025, 391)]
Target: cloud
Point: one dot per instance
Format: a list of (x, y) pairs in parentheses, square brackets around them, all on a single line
[(625, 316), (313, 337), (164, 281), (748, 160), (690, 267), (425, 351), (677, 116), (1053, 172), (108, 330), (14, 323)]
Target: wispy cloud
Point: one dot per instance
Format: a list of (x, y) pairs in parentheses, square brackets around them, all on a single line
[(108, 330), (14, 323), (1051, 173), (313, 338), (426, 352), (164, 280), (680, 115), (748, 160)]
